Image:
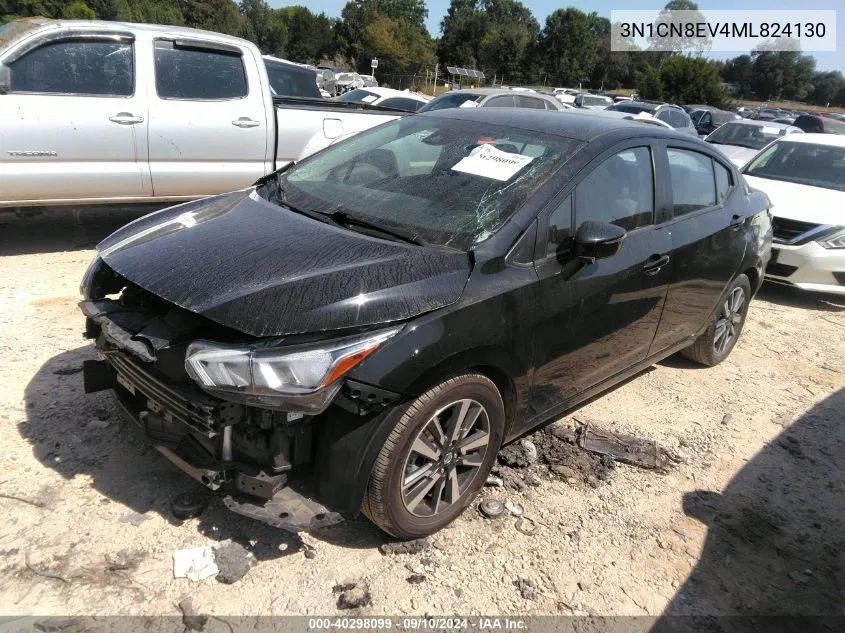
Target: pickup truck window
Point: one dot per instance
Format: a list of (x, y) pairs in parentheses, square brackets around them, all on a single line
[(619, 191), (198, 74), (291, 82), (693, 182), (400, 103), (76, 68)]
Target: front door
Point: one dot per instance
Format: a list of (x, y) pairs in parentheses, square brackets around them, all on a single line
[(74, 121), (598, 319), (208, 132)]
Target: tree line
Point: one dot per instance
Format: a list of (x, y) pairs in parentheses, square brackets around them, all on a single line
[(500, 37)]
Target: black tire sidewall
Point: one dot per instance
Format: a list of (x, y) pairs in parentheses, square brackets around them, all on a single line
[(475, 388)]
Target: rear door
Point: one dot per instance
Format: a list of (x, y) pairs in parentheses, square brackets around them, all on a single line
[(75, 118), (598, 319), (708, 240), (208, 127)]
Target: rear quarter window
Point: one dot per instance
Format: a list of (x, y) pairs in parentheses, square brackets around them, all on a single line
[(198, 74)]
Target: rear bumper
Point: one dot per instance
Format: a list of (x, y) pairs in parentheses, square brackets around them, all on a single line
[(188, 433), (808, 266)]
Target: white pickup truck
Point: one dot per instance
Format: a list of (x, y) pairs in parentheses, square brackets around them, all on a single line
[(110, 112)]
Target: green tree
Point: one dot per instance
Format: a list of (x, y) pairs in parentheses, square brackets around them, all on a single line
[(691, 80), (310, 37), (649, 83), (567, 46), (738, 71), (221, 16), (826, 87), (78, 11), (263, 26), (463, 29)]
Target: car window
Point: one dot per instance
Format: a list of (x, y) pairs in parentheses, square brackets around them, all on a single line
[(402, 103), (693, 184), (287, 82), (801, 163), (455, 100), (663, 115), (503, 101), (560, 226), (529, 102), (620, 191), (452, 182), (198, 74), (723, 182), (76, 68)]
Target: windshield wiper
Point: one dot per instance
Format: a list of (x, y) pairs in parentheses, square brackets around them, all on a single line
[(344, 219)]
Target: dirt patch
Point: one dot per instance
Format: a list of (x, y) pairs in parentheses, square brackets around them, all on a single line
[(554, 456)]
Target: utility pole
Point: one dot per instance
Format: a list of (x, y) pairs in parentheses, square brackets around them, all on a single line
[(436, 69)]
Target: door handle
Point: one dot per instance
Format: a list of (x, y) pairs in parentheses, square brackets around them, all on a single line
[(126, 118), (655, 263), (737, 221), (245, 122)]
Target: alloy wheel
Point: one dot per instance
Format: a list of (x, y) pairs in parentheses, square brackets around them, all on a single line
[(729, 320), (445, 457)]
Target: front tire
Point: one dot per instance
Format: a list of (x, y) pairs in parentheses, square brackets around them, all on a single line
[(714, 346), (436, 458)]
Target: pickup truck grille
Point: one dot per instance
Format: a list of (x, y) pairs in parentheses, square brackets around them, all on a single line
[(790, 231), (197, 412)]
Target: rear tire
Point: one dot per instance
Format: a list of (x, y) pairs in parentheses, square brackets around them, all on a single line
[(436, 458), (715, 345)]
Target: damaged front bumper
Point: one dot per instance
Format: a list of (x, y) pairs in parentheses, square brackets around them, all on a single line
[(195, 432)]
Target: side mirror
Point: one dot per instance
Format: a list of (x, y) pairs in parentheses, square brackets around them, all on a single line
[(5, 79), (597, 240)]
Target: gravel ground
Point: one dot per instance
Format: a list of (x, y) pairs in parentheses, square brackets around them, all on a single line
[(750, 522)]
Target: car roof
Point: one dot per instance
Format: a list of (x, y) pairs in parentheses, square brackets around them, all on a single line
[(568, 124), (830, 140), (45, 23), (392, 92), (758, 123)]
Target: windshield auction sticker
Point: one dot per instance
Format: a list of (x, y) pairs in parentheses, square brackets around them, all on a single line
[(489, 162)]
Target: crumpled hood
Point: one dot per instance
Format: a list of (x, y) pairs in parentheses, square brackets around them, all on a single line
[(253, 266), (802, 202)]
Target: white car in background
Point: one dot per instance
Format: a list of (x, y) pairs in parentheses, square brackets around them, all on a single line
[(804, 177), (641, 117), (404, 100), (741, 140), (566, 95), (592, 102)]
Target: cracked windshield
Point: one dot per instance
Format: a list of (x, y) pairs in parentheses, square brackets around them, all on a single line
[(447, 182)]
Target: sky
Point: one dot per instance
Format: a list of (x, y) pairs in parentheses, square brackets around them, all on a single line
[(541, 8)]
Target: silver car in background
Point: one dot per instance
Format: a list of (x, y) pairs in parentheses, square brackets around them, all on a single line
[(741, 140)]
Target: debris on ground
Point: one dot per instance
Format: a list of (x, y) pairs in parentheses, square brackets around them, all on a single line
[(310, 552), (67, 371), (187, 505), (124, 560), (405, 547), (525, 526), (584, 455), (135, 518), (416, 579), (726, 419), (492, 509), (233, 561), (195, 563), (513, 508), (492, 480), (352, 595), (191, 619), (527, 588), (625, 448), (801, 577)]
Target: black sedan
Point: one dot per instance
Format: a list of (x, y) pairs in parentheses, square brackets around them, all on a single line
[(363, 331)]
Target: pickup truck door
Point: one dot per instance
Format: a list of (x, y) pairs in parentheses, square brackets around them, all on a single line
[(209, 130), (74, 118)]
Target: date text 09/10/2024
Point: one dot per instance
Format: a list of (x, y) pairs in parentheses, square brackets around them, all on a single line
[(417, 624)]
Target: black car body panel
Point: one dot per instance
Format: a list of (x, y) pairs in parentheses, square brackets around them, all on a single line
[(253, 266), (550, 330)]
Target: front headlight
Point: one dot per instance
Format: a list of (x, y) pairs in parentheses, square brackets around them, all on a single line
[(298, 378), (837, 240)]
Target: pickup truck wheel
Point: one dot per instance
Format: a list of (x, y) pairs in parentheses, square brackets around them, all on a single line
[(436, 458), (714, 346)]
